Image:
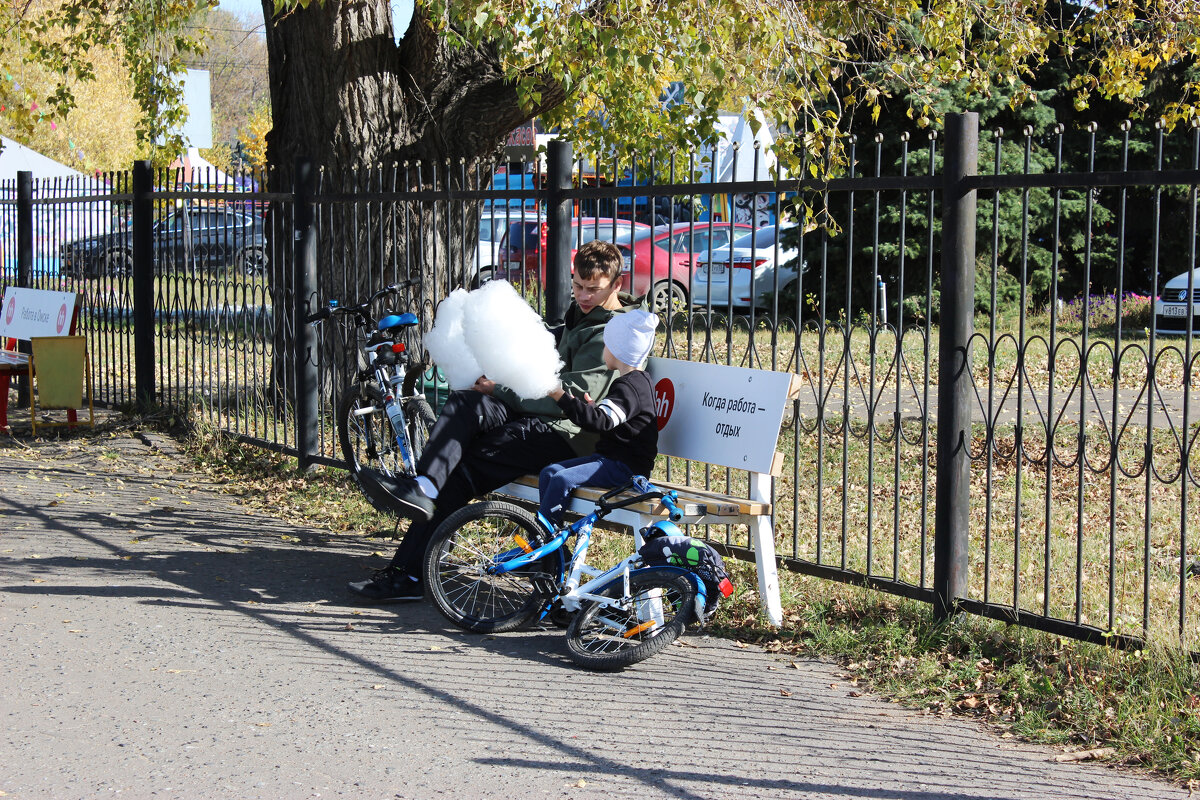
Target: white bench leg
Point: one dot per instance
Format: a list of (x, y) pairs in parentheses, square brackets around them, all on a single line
[(764, 549)]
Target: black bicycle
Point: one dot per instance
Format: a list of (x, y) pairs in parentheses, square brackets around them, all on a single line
[(383, 419)]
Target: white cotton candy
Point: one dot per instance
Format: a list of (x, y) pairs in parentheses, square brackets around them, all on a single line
[(447, 346), (510, 341)]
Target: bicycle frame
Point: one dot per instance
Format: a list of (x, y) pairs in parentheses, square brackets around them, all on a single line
[(572, 593)]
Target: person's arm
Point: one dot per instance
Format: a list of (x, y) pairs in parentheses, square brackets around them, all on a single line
[(599, 417)]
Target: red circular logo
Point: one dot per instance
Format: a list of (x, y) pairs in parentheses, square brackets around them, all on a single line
[(62, 318), (11, 312), (664, 401)]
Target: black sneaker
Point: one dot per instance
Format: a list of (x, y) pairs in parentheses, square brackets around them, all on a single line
[(388, 585), (397, 494)]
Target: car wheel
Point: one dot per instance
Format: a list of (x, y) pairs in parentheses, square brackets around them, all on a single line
[(251, 261), (118, 263), (668, 294)]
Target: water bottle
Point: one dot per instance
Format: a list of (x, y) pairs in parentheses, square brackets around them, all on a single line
[(395, 413)]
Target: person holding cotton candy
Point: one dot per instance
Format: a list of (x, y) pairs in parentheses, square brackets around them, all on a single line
[(625, 419), (487, 434)]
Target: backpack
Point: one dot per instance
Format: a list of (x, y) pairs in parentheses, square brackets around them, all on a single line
[(673, 548)]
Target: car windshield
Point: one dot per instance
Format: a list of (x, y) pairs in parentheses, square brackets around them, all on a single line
[(636, 235), (763, 237), (523, 235)]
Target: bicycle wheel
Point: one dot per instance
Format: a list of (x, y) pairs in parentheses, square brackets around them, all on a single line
[(457, 563), (365, 432), (607, 638), (419, 419)]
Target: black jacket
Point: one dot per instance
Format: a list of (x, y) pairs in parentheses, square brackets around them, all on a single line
[(624, 419)]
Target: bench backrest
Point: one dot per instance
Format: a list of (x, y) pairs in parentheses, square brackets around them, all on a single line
[(26, 313), (718, 414)]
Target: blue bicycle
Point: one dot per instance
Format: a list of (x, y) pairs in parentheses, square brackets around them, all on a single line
[(493, 567)]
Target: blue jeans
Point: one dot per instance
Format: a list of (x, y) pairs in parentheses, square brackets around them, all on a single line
[(557, 481)]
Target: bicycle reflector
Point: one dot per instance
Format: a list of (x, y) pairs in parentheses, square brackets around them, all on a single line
[(397, 347)]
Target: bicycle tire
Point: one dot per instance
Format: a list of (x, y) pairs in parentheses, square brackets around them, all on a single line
[(607, 638), (418, 416), (367, 439), (459, 554)]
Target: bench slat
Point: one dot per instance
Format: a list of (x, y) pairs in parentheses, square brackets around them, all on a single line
[(694, 503)]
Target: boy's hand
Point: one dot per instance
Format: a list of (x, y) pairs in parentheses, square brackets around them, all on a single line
[(556, 393)]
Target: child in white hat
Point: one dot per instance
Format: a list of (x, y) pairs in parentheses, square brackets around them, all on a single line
[(625, 418)]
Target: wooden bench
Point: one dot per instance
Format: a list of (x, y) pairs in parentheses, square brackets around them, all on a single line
[(710, 414), (25, 314)]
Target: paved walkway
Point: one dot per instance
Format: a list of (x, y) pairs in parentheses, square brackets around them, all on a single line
[(163, 641)]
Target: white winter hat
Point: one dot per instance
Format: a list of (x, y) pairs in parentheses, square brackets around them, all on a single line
[(629, 336)]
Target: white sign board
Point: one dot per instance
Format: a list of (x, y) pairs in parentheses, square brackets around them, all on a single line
[(718, 414), (35, 312)]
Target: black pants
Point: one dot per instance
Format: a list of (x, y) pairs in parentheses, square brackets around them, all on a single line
[(477, 444)]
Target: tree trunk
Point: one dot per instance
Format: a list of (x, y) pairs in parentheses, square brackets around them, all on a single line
[(380, 114)]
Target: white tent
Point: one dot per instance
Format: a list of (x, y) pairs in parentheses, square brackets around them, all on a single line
[(199, 171), (16, 158), (54, 224)]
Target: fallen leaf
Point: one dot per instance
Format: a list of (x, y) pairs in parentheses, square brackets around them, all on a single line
[(580, 783), (854, 694), (785, 693), (349, 626)]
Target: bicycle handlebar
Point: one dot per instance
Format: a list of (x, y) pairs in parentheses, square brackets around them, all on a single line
[(647, 491), (361, 309)]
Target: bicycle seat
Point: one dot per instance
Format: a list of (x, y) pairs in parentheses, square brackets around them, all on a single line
[(391, 321)]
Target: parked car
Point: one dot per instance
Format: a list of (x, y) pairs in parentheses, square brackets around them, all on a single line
[(663, 257), (745, 273), (493, 222), (205, 237), (520, 258), (1171, 308)]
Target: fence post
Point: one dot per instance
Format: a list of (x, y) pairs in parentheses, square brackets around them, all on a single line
[(953, 505), (143, 285), (304, 283), (24, 261), (558, 233)]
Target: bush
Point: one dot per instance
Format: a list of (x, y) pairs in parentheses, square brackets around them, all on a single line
[(1136, 312)]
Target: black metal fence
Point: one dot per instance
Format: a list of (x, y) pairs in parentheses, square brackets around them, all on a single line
[(993, 418)]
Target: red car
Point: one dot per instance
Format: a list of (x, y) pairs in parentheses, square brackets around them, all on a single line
[(663, 254), (664, 257), (519, 259)]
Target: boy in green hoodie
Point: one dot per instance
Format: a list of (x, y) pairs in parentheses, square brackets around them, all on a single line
[(486, 436)]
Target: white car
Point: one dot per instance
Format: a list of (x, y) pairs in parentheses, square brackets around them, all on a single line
[(493, 222), (745, 272), (1171, 307)]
